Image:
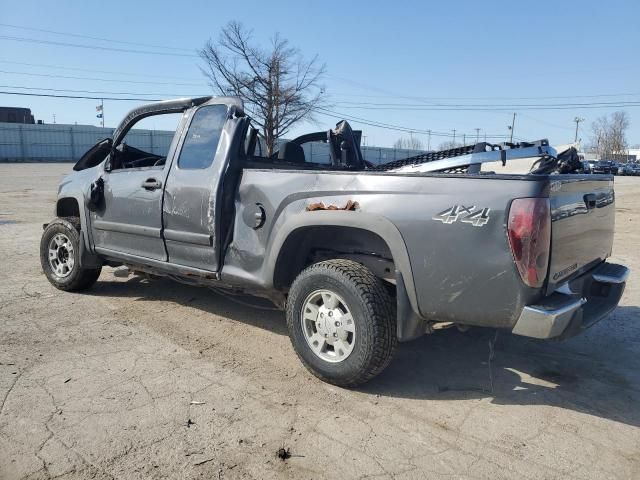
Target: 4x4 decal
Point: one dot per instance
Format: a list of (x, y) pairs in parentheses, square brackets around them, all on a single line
[(465, 214)]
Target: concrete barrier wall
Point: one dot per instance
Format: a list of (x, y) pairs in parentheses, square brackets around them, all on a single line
[(67, 143)]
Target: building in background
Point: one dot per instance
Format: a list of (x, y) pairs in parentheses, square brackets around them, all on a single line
[(634, 155), (16, 115)]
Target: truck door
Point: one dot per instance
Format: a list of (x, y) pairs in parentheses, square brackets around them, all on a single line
[(189, 209), (129, 219)]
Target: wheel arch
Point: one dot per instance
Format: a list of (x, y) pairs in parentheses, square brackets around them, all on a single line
[(70, 205), (292, 242)]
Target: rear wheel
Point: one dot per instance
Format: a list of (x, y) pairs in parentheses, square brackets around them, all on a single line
[(341, 322), (60, 257)]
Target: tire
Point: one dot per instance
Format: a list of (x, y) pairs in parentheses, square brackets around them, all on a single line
[(366, 301), (68, 275)]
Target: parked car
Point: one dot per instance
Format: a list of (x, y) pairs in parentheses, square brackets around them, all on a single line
[(361, 257), (605, 166), (616, 168), (630, 169), (586, 167)]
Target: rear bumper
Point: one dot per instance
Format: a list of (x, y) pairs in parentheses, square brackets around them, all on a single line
[(576, 305)]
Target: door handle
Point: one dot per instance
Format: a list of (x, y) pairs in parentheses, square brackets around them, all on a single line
[(151, 184)]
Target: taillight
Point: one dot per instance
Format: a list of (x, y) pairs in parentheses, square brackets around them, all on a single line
[(529, 230)]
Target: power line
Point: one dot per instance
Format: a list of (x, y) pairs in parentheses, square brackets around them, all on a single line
[(506, 107), (58, 67), (52, 95), (479, 105), (550, 97), (490, 108), (376, 123), (94, 47), (105, 92), (377, 106), (95, 79), (545, 122), (373, 123), (321, 111), (102, 39), (167, 47)]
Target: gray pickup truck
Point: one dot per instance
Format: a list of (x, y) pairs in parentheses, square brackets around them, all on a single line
[(360, 256)]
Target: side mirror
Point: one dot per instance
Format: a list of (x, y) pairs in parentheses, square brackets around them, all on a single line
[(107, 164), (113, 160)]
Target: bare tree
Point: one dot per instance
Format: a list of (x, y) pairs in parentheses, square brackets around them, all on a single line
[(279, 87), (609, 136), (449, 145), (410, 143)]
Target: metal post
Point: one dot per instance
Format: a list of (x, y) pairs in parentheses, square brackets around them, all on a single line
[(151, 141), (577, 120), (102, 110), (454, 137), (23, 152), (477, 135), (72, 144), (464, 139), (513, 125)]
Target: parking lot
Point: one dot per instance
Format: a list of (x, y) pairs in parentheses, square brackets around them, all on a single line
[(154, 379)]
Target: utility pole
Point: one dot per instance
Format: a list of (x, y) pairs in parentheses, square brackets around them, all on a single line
[(513, 125), (454, 137), (577, 120), (464, 139), (429, 141), (54, 118), (477, 135), (102, 110)]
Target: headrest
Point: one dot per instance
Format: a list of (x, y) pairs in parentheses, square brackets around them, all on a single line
[(291, 152)]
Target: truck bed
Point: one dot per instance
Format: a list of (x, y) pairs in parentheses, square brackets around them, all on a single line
[(461, 271)]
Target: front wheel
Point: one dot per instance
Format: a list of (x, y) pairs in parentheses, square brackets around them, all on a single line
[(60, 257), (341, 322)]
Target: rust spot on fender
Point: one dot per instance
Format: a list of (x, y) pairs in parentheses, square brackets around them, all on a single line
[(350, 206)]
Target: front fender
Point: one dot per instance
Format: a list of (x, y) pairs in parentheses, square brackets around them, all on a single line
[(76, 186)]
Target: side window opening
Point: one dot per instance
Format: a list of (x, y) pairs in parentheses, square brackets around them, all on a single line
[(317, 152), (312, 150), (201, 142), (147, 143), (336, 149)]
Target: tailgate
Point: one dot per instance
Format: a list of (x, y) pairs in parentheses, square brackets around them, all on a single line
[(582, 224)]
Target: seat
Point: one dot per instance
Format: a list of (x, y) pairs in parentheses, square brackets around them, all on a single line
[(291, 152)]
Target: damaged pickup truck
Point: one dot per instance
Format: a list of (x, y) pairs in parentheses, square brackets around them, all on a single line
[(361, 257)]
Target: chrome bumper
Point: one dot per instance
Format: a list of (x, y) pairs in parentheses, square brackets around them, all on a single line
[(576, 305)]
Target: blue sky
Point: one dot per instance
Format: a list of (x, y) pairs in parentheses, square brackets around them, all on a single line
[(379, 55)]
